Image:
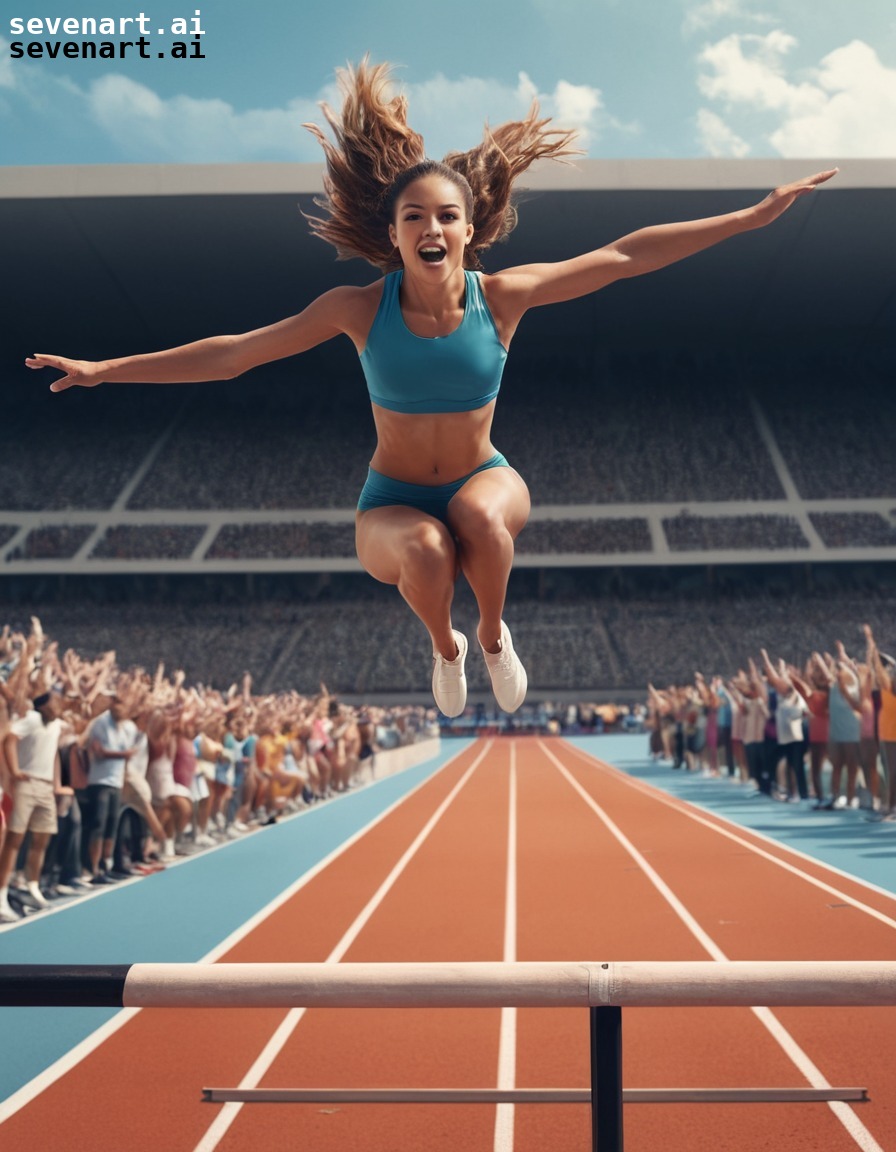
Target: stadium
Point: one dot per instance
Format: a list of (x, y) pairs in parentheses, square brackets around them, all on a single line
[(708, 451), (708, 448)]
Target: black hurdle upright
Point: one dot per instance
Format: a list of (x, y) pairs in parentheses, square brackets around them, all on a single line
[(606, 1079)]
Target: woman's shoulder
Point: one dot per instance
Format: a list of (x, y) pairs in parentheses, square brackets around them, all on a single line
[(356, 307), (507, 295), (346, 299)]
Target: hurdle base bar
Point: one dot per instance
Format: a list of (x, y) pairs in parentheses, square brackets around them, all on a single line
[(527, 1095)]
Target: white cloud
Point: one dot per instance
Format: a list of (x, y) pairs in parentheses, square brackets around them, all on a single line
[(182, 128), (845, 106), (858, 115), (750, 69), (717, 138), (703, 15), (143, 126), (576, 105), (450, 112)]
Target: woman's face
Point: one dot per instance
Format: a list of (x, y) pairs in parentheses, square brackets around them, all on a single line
[(430, 229)]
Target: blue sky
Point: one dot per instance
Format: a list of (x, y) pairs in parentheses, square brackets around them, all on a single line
[(638, 78)]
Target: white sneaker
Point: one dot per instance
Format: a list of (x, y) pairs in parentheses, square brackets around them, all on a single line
[(509, 680), (7, 914), (36, 897), (449, 684), (839, 803)]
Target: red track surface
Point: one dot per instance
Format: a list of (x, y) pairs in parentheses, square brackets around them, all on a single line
[(583, 893)]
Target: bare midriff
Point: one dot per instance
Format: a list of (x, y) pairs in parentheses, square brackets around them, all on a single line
[(434, 447)]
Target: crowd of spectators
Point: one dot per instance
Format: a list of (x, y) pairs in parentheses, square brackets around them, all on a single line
[(854, 529), (52, 542), (277, 445), (641, 426), (612, 534), (277, 541), (641, 430), (821, 733), (88, 448), (834, 447), (107, 773), (687, 532), (577, 628), (149, 541)]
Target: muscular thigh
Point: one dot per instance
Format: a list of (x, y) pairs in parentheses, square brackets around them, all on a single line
[(384, 538), (500, 492)]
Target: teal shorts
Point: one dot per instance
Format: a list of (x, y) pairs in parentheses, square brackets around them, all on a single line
[(383, 492)]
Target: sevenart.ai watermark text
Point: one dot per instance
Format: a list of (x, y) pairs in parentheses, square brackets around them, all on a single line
[(106, 37)]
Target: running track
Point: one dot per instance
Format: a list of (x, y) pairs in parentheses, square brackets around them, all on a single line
[(513, 849)]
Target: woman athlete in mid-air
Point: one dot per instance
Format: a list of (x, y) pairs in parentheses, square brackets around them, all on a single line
[(432, 334)]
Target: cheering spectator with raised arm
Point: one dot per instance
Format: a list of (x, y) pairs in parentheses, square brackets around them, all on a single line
[(790, 708), (845, 728), (884, 671)]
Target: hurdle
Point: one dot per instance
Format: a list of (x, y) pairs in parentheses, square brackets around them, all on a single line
[(604, 988)]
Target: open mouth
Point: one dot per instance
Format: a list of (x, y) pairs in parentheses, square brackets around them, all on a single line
[(432, 254)]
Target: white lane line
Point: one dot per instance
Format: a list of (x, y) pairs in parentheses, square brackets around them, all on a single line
[(813, 1074), (504, 1117), (776, 1029), (89, 1044), (652, 875), (229, 1112), (686, 809)]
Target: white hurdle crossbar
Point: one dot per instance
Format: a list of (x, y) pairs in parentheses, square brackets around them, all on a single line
[(602, 987), (569, 984)]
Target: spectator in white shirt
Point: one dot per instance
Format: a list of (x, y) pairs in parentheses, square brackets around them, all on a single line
[(31, 750)]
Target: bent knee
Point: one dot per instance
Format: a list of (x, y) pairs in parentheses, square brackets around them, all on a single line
[(390, 549), (477, 518), (427, 544)]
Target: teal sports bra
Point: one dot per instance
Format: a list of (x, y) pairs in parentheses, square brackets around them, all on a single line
[(454, 373)]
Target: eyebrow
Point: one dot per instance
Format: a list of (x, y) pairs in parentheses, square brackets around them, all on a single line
[(442, 207)]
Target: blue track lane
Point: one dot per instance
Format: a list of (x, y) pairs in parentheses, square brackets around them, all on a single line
[(844, 840), (180, 915)]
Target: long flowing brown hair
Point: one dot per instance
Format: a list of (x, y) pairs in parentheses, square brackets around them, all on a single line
[(375, 154)]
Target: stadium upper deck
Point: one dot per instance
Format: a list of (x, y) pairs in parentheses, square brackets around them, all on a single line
[(732, 408)]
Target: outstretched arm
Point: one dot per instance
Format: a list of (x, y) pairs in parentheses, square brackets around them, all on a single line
[(220, 357), (874, 660), (775, 676), (643, 251)]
